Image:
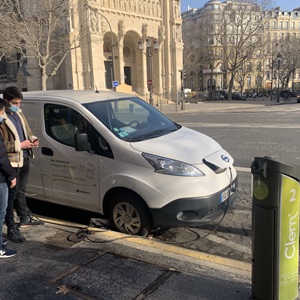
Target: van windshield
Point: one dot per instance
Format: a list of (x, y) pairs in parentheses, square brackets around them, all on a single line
[(132, 119)]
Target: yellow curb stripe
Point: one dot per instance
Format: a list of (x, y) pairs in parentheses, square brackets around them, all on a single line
[(113, 235), (181, 251)]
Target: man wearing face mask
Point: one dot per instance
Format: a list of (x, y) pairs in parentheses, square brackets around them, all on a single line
[(19, 142)]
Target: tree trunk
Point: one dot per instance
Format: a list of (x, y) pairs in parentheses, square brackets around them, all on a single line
[(231, 81), (44, 79)]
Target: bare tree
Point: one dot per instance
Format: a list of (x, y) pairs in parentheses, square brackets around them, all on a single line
[(230, 37), (201, 52), (288, 60), (40, 31), (240, 34)]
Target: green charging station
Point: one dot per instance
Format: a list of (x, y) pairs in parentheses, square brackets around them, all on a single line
[(275, 229)]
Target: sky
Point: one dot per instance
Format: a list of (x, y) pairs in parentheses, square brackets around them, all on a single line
[(287, 5)]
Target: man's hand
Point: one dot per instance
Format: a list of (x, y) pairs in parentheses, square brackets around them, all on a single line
[(13, 183), (35, 141), (27, 144)]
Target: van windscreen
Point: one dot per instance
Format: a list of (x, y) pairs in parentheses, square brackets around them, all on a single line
[(132, 119)]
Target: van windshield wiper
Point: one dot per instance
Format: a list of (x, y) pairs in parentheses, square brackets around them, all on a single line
[(157, 132), (151, 134)]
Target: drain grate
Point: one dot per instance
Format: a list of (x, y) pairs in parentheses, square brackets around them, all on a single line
[(111, 276)]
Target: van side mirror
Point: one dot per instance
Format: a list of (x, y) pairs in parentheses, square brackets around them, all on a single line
[(81, 142)]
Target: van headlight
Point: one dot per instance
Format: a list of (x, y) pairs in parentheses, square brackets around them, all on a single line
[(173, 167)]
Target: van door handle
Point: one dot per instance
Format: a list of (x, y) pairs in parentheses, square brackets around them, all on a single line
[(47, 151)]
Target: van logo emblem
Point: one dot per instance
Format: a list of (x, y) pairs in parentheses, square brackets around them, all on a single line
[(225, 158)]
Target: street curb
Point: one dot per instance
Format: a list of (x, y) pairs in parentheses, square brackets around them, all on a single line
[(196, 257), (153, 246), (220, 105)]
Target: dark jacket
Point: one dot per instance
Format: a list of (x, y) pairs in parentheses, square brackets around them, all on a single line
[(7, 172)]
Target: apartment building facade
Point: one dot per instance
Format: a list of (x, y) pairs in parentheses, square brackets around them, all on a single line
[(282, 67), (273, 64)]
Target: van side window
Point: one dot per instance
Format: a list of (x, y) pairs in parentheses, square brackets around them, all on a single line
[(62, 123)]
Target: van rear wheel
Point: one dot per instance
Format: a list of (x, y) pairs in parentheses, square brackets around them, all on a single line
[(128, 214)]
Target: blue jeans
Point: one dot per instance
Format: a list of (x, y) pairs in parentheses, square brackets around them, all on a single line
[(3, 205)]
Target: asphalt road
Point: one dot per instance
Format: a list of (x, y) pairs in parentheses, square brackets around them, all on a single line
[(246, 132)]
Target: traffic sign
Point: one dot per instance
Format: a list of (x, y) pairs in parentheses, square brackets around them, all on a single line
[(149, 82), (115, 83)]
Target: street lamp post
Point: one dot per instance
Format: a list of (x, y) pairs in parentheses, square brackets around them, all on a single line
[(279, 59), (271, 65), (293, 79), (87, 6), (149, 56)]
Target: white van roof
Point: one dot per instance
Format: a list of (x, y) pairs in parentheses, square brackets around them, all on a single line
[(82, 96)]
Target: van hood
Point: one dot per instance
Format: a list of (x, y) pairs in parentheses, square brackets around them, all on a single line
[(185, 145)]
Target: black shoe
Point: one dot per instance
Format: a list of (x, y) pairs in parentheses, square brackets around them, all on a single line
[(4, 241), (30, 220), (6, 253), (14, 235)]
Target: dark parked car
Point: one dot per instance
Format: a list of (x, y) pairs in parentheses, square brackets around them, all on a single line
[(287, 93), (224, 94), (238, 96), (298, 98)]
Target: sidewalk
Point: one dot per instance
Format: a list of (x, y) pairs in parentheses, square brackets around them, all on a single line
[(109, 265), (225, 104)]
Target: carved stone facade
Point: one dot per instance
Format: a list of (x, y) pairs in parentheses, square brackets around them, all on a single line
[(110, 50)]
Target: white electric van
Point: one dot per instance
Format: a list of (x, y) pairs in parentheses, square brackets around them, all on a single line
[(115, 154)]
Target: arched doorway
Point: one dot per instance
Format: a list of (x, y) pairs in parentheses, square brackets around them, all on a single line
[(211, 84)]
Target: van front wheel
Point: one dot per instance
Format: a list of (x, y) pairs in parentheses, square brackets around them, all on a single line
[(128, 214)]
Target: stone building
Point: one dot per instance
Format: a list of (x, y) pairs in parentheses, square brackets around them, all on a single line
[(262, 71), (282, 31), (136, 43)]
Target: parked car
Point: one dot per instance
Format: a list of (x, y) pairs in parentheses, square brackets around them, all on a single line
[(216, 95), (287, 93), (224, 94), (238, 96), (117, 155), (298, 98)]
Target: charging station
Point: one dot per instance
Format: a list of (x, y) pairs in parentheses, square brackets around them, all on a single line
[(275, 229)]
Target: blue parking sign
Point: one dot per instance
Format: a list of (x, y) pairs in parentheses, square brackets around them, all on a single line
[(115, 83)]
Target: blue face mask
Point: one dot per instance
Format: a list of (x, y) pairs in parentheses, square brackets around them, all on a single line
[(1, 119), (14, 108)]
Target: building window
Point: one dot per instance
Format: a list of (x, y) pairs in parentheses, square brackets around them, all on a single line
[(258, 53), (281, 36), (3, 70), (249, 67), (249, 82), (258, 67), (287, 36), (280, 25), (286, 25), (259, 81)]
